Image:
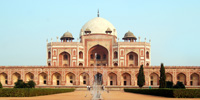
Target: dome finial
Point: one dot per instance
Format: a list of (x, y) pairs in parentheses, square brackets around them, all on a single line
[(98, 13)]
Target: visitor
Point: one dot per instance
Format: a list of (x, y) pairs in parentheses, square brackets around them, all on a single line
[(89, 88)]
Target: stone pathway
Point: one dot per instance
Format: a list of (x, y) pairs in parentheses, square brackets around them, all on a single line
[(85, 95)]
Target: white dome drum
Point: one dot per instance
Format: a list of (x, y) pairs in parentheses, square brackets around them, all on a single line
[(98, 25)]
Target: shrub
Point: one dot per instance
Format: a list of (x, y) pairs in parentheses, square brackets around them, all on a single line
[(20, 84), (29, 92), (169, 84), (179, 85), (0, 85), (176, 93), (31, 84)]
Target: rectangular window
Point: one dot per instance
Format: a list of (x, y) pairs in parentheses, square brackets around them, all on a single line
[(84, 82), (124, 82), (45, 82), (151, 82), (191, 83), (111, 82)]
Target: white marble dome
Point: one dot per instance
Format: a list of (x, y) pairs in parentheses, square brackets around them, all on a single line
[(98, 25)]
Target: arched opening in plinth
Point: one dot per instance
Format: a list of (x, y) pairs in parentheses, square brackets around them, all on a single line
[(101, 58), (181, 78), (154, 79), (42, 78), (56, 78), (70, 79), (194, 79), (4, 78), (29, 76), (98, 78), (64, 59), (112, 79), (169, 77), (132, 59), (126, 79), (84, 79), (15, 77)]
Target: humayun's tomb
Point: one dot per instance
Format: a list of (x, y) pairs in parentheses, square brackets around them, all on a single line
[(98, 53)]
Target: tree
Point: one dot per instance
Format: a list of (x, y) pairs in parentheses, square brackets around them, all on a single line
[(1, 85), (31, 84), (140, 77), (162, 77)]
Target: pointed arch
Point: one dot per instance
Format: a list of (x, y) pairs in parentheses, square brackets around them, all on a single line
[(56, 78), (126, 79), (15, 77), (29, 76), (84, 78), (154, 79), (43, 78), (64, 59), (132, 59), (112, 79), (194, 79), (4, 78), (102, 55), (181, 77), (70, 79)]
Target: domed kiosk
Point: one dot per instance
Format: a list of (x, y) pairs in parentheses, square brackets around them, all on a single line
[(67, 36), (129, 37)]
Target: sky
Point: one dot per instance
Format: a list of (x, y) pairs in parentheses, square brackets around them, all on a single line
[(172, 25)]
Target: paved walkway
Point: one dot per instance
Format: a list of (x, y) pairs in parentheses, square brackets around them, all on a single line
[(85, 95)]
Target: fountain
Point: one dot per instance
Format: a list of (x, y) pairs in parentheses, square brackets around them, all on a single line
[(97, 88)]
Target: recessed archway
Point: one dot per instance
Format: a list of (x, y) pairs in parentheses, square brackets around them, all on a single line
[(64, 59), (154, 79), (3, 78), (101, 57), (29, 76), (15, 77), (132, 59), (126, 79), (112, 79), (168, 77), (194, 79), (70, 79), (42, 78), (84, 79), (98, 78), (56, 78), (181, 78)]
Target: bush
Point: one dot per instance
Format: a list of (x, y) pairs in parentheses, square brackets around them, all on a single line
[(31, 84), (1, 85), (176, 93), (169, 84), (158, 92), (20, 84), (29, 92), (179, 85)]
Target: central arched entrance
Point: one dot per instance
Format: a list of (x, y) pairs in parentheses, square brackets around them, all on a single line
[(101, 58), (98, 79)]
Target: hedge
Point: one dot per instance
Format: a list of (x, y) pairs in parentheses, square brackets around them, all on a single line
[(175, 93), (29, 92)]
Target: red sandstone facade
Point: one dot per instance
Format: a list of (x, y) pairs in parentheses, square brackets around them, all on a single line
[(97, 53)]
